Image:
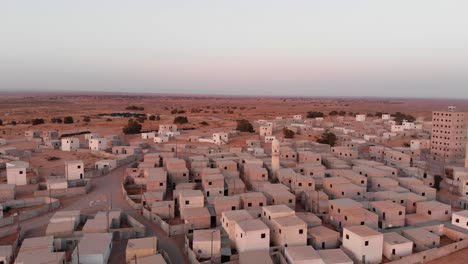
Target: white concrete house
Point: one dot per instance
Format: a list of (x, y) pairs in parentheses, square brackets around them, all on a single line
[(91, 136), (98, 144), (74, 170), (386, 116), (360, 118), (220, 138), (251, 235), (396, 246), (106, 164), (70, 144), (161, 139), (94, 248), (266, 131), (16, 172), (364, 243), (460, 219), (148, 135)]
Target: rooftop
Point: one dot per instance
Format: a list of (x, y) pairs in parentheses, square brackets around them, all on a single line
[(363, 231), (252, 225)]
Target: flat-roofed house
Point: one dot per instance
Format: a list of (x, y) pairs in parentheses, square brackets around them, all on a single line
[(74, 170), (288, 231), (301, 183), (228, 220), (422, 238), (207, 244), (334, 256), (252, 235), (434, 210), (323, 237), (197, 218), (363, 243), (17, 172), (98, 144), (39, 250), (70, 144), (94, 248), (460, 219), (252, 200), (302, 255), (390, 214), (141, 247), (190, 199), (396, 246)]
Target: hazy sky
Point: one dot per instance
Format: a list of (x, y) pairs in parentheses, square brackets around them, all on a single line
[(414, 48)]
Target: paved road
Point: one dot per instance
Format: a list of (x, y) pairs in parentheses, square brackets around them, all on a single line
[(106, 191)]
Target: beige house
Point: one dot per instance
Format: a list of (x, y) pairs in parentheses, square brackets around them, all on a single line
[(363, 243), (302, 255), (252, 200), (17, 172), (252, 235), (228, 220), (396, 246), (207, 244), (93, 248), (70, 144), (460, 219), (434, 210), (422, 238), (138, 248), (390, 214), (288, 231), (74, 170), (322, 237), (190, 199)]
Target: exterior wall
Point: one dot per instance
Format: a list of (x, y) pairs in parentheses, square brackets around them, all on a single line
[(74, 171), (460, 220), (70, 144), (372, 253), (98, 144), (400, 250), (252, 240), (16, 176)]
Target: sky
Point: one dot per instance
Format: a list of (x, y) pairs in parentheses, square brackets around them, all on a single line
[(375, 48)]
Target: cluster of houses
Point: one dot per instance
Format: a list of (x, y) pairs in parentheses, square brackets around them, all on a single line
[(275, 200)]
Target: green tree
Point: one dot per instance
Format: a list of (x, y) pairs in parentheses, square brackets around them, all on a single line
[(288, 133), (132, 127), (328, 138), (244, 125), (313, 114), (1, 122), (342, 113), (180, 120), (152, 117), (68, 120), (333, 113)]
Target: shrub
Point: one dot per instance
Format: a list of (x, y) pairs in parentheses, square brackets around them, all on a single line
[(244, 126), (174, 111), (333, 113), (52, 158), (13, 123), (68, 120), (132, 127), (288, 133), (86, 119), (109, 119), (1, 122), (342, 113), (204, 123), (56, 120), (37, 121), (180, 120), (158, 117), (312, 114), (152, 117), (328, 138)]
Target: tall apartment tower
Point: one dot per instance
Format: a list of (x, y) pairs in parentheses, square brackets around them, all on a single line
[(449, 134), (275, 155)]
